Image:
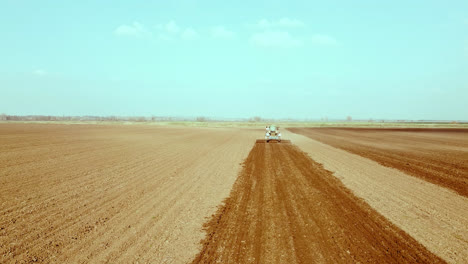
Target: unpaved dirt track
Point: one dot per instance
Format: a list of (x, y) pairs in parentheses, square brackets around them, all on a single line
[(116, 194), (435, 216), (285, 208), (436, 155)]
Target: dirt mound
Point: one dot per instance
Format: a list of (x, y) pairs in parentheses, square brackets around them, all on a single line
[(285, 208)]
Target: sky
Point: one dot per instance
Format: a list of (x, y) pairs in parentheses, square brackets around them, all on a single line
[(366, 59)]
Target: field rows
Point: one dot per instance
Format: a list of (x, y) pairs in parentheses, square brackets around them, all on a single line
[(107, 194), (439, 156), (435, 216), (285, 208), (149, 194)]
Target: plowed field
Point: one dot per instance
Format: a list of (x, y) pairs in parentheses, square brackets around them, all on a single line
[(435, 216), (142, 194), (285, 208), (439, 156), (92, 194)]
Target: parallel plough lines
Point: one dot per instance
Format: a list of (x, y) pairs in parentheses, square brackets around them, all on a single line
[(285, 208), (118, 197), (75, 193), (153, 211)]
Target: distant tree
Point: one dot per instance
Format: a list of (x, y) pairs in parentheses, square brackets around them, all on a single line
[(257, 119), (201, 119), (349, 118)]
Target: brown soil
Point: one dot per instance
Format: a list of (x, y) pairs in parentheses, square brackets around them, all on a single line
[(435, 216), (112, 194), (286, 208), (439, 156)]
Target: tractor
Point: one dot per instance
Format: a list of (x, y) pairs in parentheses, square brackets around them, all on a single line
[(272, 133)]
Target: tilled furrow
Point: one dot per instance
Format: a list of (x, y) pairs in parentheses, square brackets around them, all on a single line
[(285, 208)]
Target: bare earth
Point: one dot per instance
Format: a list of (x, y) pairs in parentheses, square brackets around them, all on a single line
[(92, 194), (437, 155), (285, 208), (141, 194), (435, 216)]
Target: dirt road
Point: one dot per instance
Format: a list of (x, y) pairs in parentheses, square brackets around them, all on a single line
[(285, 208), (439, 156), (435, 216), (112, 194)]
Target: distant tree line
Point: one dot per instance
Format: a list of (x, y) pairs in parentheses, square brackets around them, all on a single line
[(4, 117), (153, 118)]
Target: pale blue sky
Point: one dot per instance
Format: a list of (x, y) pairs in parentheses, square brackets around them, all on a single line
[(301, 59)]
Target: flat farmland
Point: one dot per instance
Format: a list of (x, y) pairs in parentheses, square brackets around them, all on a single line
[(92, 194), (439, 156), (171, 194), (286, 208), (435, 215)]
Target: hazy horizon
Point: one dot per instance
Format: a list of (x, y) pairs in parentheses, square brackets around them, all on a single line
[(273, 59)]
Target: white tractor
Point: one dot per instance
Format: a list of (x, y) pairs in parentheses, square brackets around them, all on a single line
[(272, 133)]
